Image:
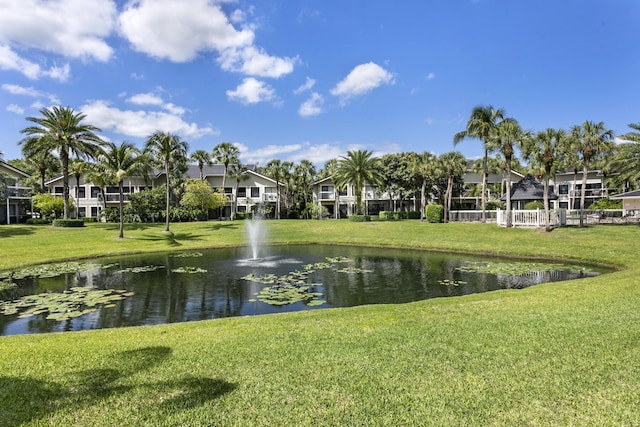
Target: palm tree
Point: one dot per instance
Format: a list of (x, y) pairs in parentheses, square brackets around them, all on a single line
[(358, 168), (239, 172), (40, 159), (452, 165), (305, 171), (592, 141), (201, 157), (508, 136), (482, 124), (119, 162), (425, 164), (62, 130), (544, 150), (78, 167), (225, 153), (274, 170), (170, 151)]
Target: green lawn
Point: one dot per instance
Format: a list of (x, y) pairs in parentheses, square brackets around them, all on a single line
[(565, 353)]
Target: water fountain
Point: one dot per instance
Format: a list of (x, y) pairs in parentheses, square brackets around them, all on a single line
[(256, 234)]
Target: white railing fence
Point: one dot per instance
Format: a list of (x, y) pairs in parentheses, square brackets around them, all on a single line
[(532, 218), (471, 216)]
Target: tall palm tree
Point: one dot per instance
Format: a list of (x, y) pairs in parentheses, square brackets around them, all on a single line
[(170, 151), (274, 170), (225, 153), (592, 141), (452, 165), (508, 136), (63, 131), (119, 162), (239, 172), (482, 124), (305, 171), (358, 168), (425, 165), (77, 168), (201, 157), (40, 159), (544, 150), (626, 160)]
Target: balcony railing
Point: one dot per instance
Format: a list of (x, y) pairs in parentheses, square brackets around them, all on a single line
[(18, 192), (269, 197), (327, 195)]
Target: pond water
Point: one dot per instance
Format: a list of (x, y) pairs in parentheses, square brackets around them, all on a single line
[(186, 286)]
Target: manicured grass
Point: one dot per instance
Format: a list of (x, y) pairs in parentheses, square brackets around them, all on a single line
[(565, 353)]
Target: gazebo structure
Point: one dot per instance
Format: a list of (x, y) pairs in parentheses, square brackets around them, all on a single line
[(528, 189)]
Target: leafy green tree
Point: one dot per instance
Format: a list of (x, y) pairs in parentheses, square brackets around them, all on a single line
[(199, 196), (119, 162), (225, 153), (425, 165), (201, 157), (401, 179), (170, 151), (482, 125), (592, 140), (357, 168), (626, 160), (62, 130), (508, 136), (453, 165), (149, 204), (544, 150), (49, 206)]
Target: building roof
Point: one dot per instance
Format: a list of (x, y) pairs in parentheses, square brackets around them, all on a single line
[(13, 169), (528, 189), (627, 195)]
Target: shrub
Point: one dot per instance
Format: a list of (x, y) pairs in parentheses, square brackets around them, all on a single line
[(495, 204), (537, 204), (241, 215), (359, 218), (606, 203), (434, 213), (411, 215), (68, 223), (38, 221), (388, 215), (90, 219)]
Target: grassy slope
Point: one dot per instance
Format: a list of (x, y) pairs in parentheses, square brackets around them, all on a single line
[(555, 354)]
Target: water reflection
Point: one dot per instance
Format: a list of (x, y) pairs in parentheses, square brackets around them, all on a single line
[(163, 294)]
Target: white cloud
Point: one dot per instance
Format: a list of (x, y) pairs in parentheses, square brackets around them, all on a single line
[(145, 99), (312, 106), (254, 61), (431, 76), (30, 92), (141, 123), (71, 28), (252, 91), (361, 80), (179, 30), (13, 108), (309, 83), (9, 60)]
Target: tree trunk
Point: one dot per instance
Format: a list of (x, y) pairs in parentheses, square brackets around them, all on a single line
[(65, 183), (508, 193), (547, 225), (583, 190), (121, 197), (423, 191), (484, 186), (168, 194)]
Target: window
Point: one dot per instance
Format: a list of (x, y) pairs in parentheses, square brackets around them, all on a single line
[(242, 191), (326, 188), (270, 190), (343, 192), (58, 190), (95, 193), (82, 212), (228, 190), (82, 193), (255, 191), (563, 189), (242, 208), (114, 190), (95, 210)]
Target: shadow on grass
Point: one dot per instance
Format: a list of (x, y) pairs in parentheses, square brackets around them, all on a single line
[(24, 399), (16, 230)]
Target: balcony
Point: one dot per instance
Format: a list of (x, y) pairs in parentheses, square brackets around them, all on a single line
[(16, 192), (269, 197), (327, 195), (115, 197)]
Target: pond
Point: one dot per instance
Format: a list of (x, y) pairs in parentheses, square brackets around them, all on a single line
[(186, 286)]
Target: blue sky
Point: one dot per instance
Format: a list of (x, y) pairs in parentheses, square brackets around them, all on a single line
[(309, 79)]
